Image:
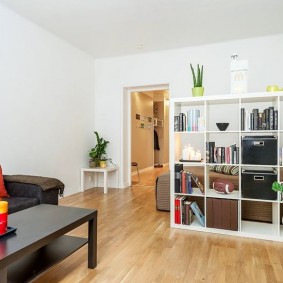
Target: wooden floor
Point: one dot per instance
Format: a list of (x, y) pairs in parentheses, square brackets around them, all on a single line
[(136, 244)]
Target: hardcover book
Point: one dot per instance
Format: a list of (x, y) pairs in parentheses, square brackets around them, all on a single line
[(255, 116), (177, 208), (197, 212), (211, 151), (183, 182), (189, 183), (242, 119), (189, 216), (266, 111), (222, 154), (263, 121), (176, 123), (260, 121), (184, 122), (271, 118), (275, 119), (251, 121), (207, 152), (181, 122), (182, 209), (237, 155), (198, 183), (178, 169)]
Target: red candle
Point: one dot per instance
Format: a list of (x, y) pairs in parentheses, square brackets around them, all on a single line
[(3, 216)]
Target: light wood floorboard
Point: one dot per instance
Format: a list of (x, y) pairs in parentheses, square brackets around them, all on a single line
[(136, 244)]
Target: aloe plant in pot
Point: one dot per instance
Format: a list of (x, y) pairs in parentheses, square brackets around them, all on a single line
[(198, 89), (98, 152)]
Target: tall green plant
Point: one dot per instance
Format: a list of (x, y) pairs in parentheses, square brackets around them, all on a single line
[(99, 150), (197, 78)]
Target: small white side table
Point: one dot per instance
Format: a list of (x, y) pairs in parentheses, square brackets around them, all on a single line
[(100, 170)]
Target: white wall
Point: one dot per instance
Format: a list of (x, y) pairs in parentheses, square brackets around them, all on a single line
[(46, 102), (112, 75)]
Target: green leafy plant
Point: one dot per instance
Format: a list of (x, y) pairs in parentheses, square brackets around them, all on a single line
[(197, 78), (99, 150), (277, 187)]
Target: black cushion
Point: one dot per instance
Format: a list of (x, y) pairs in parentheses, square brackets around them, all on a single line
[(32, 191), (19, 203)]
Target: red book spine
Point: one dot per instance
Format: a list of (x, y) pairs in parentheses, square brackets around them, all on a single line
[(184, 187), (228, 155), (176, 211)]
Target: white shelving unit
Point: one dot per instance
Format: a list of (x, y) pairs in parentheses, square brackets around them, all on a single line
[(227, 108)]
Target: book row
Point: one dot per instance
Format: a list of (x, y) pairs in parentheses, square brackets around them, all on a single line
[(185, 211), (186, 182), (190, 121), (228, 155), (255, 120)]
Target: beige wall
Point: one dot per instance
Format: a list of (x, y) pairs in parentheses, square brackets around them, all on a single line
[(166, 132), (142, 138), (162, 113)]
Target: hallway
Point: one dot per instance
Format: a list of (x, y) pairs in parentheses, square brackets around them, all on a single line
[(148, 178)]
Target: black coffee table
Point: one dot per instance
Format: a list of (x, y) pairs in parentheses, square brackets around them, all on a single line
[(39, 241)]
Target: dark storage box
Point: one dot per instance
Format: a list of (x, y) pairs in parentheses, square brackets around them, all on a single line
[(222, 213), (257, 184), (259, 150)]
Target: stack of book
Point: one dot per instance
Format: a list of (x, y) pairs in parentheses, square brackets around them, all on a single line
[(255, 120), (185, 211), (190, 121), (217, 154), (186, 183)]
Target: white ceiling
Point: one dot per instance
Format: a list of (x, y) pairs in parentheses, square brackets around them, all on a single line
[(105, 28)]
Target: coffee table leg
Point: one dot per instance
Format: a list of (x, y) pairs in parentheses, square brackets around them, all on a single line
[(92, 243), (3, 275)]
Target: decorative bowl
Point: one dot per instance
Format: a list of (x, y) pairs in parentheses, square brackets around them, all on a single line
[(222, 126)]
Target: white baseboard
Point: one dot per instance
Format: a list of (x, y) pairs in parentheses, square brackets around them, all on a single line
[(126, 185)]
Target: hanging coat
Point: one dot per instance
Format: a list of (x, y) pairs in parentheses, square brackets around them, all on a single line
[(156, 142)]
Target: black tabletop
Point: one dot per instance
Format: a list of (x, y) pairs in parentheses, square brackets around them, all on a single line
[(37, 226)]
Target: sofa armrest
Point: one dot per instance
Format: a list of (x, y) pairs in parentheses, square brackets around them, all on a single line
[(15, 189)]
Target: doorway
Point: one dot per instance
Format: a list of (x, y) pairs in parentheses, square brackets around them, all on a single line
[(149, 132)]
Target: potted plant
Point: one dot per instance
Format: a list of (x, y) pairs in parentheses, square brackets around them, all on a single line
[(278, 187), (98, 152), (103, 161), (197, 80)]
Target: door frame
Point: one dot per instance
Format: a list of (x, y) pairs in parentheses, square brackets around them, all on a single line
[(126, 146)]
